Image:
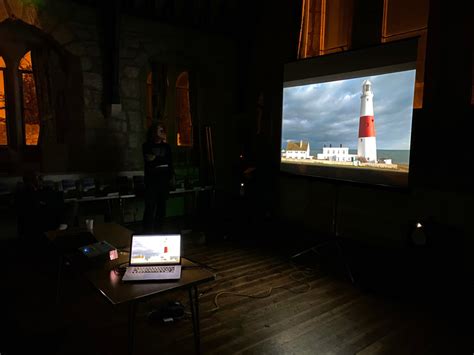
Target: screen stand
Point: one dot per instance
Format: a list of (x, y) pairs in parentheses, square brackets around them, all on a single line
[(333, 240)]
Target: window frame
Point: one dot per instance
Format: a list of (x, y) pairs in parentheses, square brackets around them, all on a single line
[(422, 33), (5, 92), (187, 90), (20, 73)]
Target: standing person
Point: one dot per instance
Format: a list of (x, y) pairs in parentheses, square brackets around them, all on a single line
[(158, 175)]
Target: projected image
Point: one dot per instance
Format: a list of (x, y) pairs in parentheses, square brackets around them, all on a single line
[(155, 249), (359, 123)]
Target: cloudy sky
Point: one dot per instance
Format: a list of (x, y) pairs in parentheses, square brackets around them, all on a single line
[(328, 113)]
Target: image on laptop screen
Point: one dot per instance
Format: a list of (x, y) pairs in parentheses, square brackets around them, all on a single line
[(155, 249)]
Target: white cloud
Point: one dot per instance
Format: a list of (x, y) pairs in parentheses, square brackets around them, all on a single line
[(328, 113)]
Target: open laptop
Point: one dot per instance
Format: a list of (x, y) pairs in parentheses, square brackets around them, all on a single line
[(154, 257)]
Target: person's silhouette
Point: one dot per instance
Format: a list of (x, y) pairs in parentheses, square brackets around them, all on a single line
[(158, 175)]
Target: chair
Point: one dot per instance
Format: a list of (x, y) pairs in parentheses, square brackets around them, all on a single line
[(39, 211), (123, 185), (88, 186), (49, 185), (4, 189), (106, 187), (69, 188)]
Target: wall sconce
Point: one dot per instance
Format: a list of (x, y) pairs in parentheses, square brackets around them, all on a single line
[(242, 189), (418, 234)]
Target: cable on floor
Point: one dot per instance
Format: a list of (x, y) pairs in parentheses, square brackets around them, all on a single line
[(306, 272)]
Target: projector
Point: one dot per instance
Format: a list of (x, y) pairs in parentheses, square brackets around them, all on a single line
[(99, 251)]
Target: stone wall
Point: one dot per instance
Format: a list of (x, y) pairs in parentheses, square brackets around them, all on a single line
[(114, 143)]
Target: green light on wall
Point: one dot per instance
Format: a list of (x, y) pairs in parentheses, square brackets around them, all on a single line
[(35, 3)]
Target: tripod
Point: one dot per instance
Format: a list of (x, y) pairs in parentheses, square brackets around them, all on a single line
[(334, 239)]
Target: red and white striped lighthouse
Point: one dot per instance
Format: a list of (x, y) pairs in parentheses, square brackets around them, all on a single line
[(366, 143)]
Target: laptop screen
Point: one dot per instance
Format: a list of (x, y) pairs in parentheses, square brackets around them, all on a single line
[(155, 249)]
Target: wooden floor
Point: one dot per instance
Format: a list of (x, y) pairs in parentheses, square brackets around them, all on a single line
[(262, 302)]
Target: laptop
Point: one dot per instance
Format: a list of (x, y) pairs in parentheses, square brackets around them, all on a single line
[(154, 257)]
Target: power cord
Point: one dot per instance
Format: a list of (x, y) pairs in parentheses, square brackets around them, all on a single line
[(305, 273), (199, 265), (120, 269), (269, 292)]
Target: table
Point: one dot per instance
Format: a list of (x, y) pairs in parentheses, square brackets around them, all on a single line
[(115, 196), (108, 199), (105, 279)]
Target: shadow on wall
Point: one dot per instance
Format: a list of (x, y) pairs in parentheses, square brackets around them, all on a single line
[(61, 153), (105, 151)]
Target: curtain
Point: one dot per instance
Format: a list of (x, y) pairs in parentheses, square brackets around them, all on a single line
[(159, 87), (58, 82), (193, 108), (41, 71), (51, 83)]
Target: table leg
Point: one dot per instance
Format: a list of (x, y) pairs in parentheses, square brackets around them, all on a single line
[(58, 284), (194, 302), (121, 211), (109, 208), (131, 327)]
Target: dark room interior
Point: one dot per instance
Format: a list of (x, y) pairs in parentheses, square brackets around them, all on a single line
[(216, 129)]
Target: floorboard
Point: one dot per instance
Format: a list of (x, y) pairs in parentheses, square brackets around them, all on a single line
[(262, 302)]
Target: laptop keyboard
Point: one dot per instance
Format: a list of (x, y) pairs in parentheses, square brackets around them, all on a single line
[(153, 269)]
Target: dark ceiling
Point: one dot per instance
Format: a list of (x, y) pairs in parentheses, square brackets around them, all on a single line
[(221, 16)]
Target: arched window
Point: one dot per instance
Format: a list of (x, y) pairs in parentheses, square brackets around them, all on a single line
[(183, 111), (326, 27), (3, 106), (398, 25), (29, 100)]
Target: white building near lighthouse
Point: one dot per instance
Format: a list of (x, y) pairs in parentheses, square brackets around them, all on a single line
[(297, 150), (336, 154), (366, 142)]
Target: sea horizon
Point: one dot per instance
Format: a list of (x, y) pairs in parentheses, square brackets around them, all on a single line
[(398, 156)]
